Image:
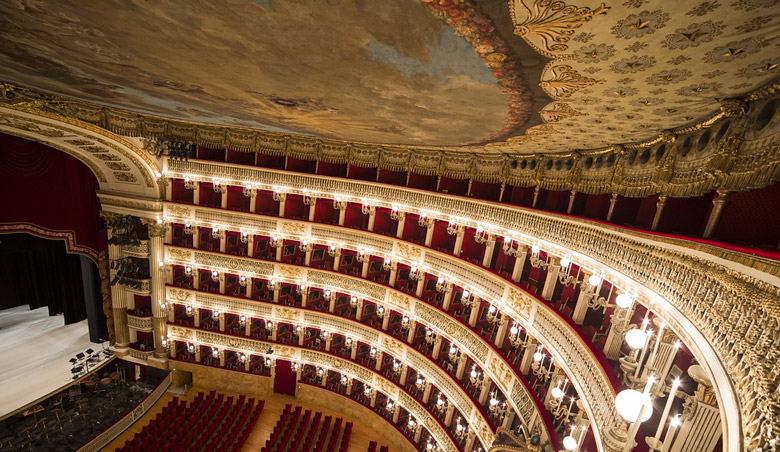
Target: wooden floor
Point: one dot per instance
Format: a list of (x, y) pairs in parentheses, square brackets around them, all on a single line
[(274, 405)]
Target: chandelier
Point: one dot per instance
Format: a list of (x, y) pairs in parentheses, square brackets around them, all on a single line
[(269, 325), (300, 288), (276, 242), (324, 335), (326, 294), (466, 299), (188, 271), (496, 408), (481, 236), (475, 376), (278, 196), (332, 250), (242, 319), (508, 249), (361, 256), (308, 199), (405, 324), (535, 261), (493, 316), (397, 366), (338, 204), (430, 336), (514, 337), (452, 227), (420, 383), (189, 311), (190, 184), (189, 229), (414, 274), (367, 390), (441, 404), (365, 208), (250, 191), (348, 343), (380, 312), (353, 301), (272, 284), (461, 431), (217, 233), (413, 425), (454, 353), (244, 237), (441, 284), (538, 365), (242, 280)]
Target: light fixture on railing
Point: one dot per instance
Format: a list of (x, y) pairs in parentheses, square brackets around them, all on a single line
[(560, 389), (189, 229), (372, 352), (563, 411), (215, 276), (326, 295), (431, 446), (397, 366), (353, 301), (591, 293), (188, 271), (305, 246), (308, 199), (250, 191), (242, 357), (475, 376), (242, 319), (215, 315), (496, 407), (365, 208), (481, 235), (269, 326), (295, 367), (339, 203), (405, 324), (332, 250), (441, 284), (217, 233), (390, 405), (387, 264), (242, 280), (493, 316), (164, 267), (430, 336), (466, 299), (189, 310), (276, 242), (272, 284), (324, 335), (564, 274), (395, 214), (300, 288), (278, 196), (441, 404), (163, 307), (244, 237), (508, 248), (268, 362), (413, 425), (537, 366), (452, 227), (320, 371), (514, 337), (453, 354), (190, 184), (420, 383), (569, 442), (415, 274), (535, 260), (624, 301), (191, 348), (218, 187), (461, 431), (361, 256), (425, 221), (215, 352), (297, 331), (367, 391), (380, 312), (349, 343), (164, 342)]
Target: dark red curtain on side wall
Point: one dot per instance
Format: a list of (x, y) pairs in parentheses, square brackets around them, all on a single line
[(49, 190), (284, 382)]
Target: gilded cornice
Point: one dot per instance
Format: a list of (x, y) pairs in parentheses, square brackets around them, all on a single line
[(492, 163), (327, 361)]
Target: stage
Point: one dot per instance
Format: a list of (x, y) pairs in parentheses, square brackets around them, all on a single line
[(34, 354)]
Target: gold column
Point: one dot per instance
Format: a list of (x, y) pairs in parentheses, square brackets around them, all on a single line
[(659, 211), (718, 205)]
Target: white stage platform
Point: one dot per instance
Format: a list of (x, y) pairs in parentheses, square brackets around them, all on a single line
[(34, 352)]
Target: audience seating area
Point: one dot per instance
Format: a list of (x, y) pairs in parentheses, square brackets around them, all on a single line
[(209, 423), (372, 447), (296, 433)]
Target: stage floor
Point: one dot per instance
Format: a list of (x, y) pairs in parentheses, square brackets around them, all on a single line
[(34, 353)]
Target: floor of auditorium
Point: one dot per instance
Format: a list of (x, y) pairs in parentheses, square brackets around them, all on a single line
[(274, 405)]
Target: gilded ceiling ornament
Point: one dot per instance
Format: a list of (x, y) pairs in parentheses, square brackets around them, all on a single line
[(638, 25), (552, 21), (594, 53), (760, 69), (566, 81), (750, 5), (117, 166), (700, 89), (693, 35), (636, 47), (679, 59), (558, 111), (703, 8), (754, 24), (625, 91), (734, 107), (734, 50), (667, 77), (633, 64), (125, 177)]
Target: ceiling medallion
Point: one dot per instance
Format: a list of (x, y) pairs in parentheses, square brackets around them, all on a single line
[(552, 21)]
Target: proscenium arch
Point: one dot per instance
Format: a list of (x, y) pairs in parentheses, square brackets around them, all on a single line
[(610, 249), (118, 164)]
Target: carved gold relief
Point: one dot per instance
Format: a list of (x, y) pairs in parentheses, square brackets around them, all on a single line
[(293, 228), (286, 271), (178, 211), (181, 333), (558, 112), (400, 300), (180, 254), (552, 21), (566, 81), (178, 294), (409, 252), (287, 313)]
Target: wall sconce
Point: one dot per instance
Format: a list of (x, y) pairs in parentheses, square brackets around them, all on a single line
[(190, 184), (250, 191), (278, 196), (218, 187), (395, 214)]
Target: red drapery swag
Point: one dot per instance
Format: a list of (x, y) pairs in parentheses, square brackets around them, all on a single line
[(51, 194), (285, 381)]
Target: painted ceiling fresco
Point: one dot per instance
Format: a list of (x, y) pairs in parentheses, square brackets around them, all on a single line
[(468, 74), (365, 70)]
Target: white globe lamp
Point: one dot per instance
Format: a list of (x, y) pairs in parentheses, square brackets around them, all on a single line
[(594, 280), (556, 392), (629, 403), (569, 443), (636, 338), (624, 300)]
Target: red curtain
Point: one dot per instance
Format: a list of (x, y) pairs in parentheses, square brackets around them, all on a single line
[(284, 382), (49, 193)]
